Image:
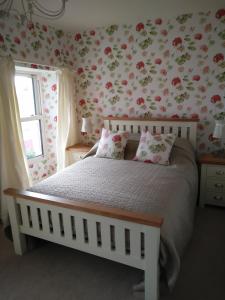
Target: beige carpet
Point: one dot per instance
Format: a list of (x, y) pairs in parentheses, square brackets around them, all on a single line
[(59, 273)]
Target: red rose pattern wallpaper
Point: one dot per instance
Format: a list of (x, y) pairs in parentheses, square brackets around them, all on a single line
[(34, 43), (159, 67), (45, 167), (169, 68), (42, 168)]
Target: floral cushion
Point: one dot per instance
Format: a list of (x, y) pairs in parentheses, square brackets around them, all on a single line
[(155, 148), (112, 144)]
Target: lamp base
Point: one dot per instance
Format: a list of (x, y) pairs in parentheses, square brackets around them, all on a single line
[(219, 153)]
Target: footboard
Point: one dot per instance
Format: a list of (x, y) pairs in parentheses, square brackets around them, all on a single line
[(122, 236)]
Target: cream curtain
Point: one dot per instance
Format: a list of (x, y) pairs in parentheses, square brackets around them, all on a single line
[(13, 163), (67, 132)]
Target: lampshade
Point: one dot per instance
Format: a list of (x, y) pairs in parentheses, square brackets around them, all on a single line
[(219, 130), (86, 125)]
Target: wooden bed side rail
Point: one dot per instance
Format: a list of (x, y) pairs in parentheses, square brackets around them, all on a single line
[(88, 207)]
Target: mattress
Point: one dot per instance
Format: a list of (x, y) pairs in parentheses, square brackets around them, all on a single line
[(167, 191)]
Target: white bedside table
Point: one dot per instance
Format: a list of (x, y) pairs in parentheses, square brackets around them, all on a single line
[(78, 151), (212, 187)]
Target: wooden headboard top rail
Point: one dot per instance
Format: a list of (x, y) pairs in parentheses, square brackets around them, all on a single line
[(185, 128), (152, 119)]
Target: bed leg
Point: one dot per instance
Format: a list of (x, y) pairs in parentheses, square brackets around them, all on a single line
[(19, 239), (152, 240)]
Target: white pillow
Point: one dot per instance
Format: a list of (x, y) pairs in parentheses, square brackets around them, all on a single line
[(112, 144), (156, 148)]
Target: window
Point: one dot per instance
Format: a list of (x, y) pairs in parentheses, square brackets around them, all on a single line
[(28, 94)]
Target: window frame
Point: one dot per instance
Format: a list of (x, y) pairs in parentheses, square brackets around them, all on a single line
[(22, 71)]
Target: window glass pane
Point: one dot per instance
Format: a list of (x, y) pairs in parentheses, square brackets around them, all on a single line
[(32, 138), (25, 95)]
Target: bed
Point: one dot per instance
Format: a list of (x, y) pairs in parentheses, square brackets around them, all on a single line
[(101, 206)]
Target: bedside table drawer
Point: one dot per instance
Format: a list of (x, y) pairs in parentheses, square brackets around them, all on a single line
[(216, 185), (215, 199), (218, 171), (212, 187)]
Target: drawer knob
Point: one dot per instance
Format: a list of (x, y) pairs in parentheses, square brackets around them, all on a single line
[(218, 185), (220, 172), (219, 198)]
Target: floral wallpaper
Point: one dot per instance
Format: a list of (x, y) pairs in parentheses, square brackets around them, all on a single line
[(158, 67), (38, 44), (33, 42), (47, 166)]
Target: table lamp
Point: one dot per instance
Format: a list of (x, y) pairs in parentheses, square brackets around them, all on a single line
[(86, 125), (219, 133)]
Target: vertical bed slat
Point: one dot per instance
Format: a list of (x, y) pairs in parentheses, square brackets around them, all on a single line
[(120, 239), (67, 227), (114, 127), (192, 135), (45, 222), (24, 214), (105, 234), (135, 243), (80, 236), (56, 224), (183, 133), (166, 129), (92, 233), (34, 216), (135, 129), (158, 129), (175, 130), (131, 128), (151, 128)]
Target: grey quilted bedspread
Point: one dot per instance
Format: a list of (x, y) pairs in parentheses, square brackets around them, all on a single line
[(168, 191)]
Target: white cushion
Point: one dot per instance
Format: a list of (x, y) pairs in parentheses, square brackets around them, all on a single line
[(156, 148), (112, 144)]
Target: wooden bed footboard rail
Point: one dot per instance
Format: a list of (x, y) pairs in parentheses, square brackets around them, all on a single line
[(122, 236)]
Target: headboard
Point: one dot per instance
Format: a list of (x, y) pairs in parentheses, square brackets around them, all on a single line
[(185, 128)]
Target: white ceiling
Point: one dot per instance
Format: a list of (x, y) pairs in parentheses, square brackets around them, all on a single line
[(83, 14)]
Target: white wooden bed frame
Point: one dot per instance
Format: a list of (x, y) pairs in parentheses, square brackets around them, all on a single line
[(125, 237)]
